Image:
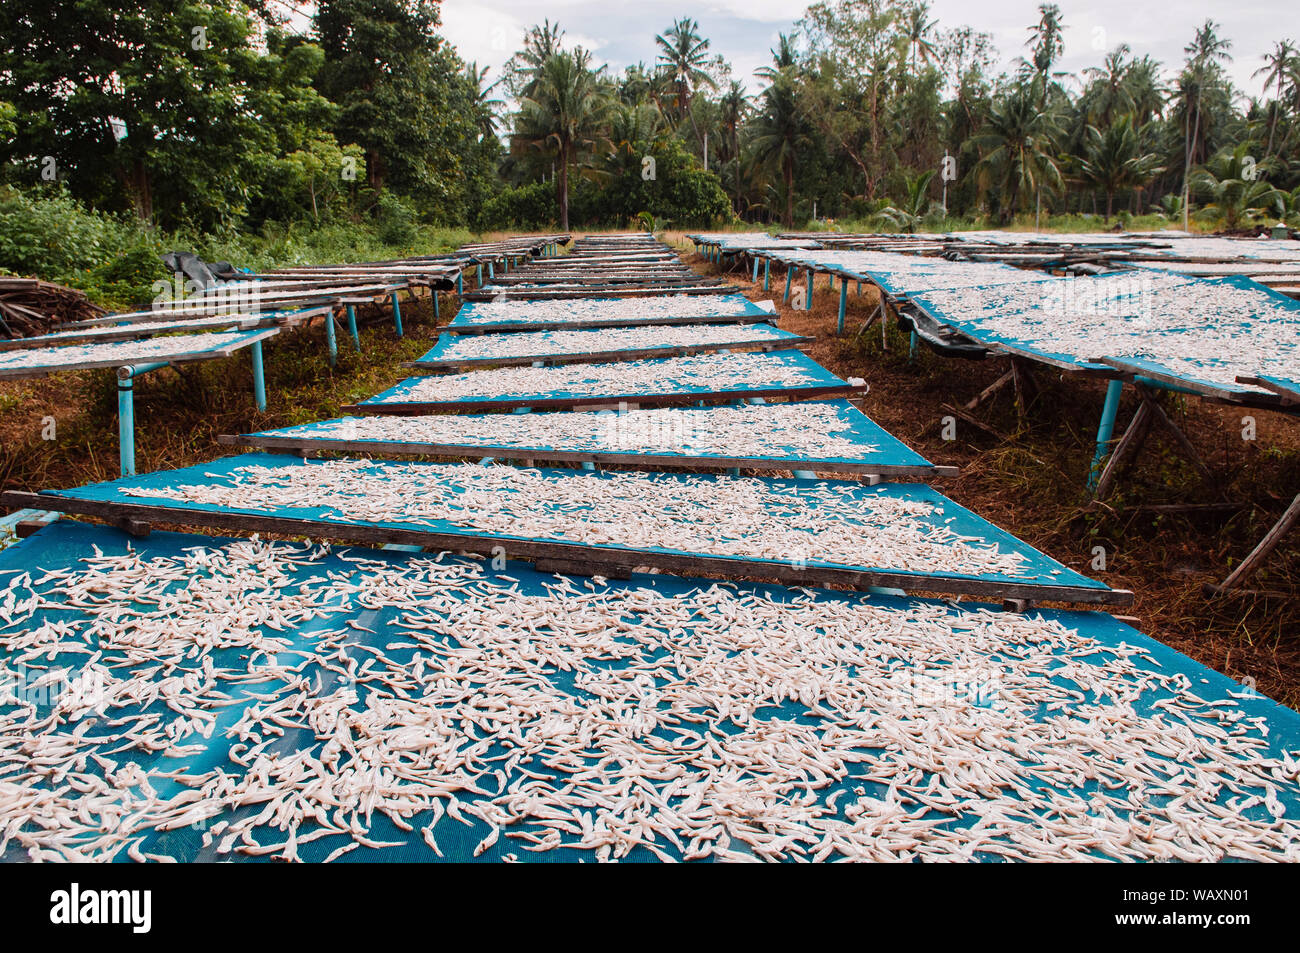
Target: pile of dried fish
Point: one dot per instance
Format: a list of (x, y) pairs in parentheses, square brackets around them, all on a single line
[(123, 352), (705, 372), (270, 700), (1209, 330), (479, 347), (837, 522), (818, 431), (29, 307), (580, 310)]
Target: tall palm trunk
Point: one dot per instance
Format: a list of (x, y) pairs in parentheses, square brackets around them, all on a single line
[(787, 172), (562, 187)]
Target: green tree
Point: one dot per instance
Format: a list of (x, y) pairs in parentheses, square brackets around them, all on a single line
[(779, 130), (1016, 149), (404, 97), (683, 58), (1277, 65), (1114, 160), (1235, 193), (167, 105), (564, 116)]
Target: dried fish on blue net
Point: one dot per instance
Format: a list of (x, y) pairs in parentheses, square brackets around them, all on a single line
[(239, 714), (695, 372), (482, 347), (838, 522), (816, 429)]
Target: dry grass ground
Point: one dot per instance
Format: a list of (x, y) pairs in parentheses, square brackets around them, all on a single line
[(1023, 473)]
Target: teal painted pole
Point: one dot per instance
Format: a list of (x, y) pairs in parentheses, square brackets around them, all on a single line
[(767, 273), (352, 326), (807, 305), (1109, 411), (126, 413), (329, 337), (755, 269), (460, 284), (789, 276), (125, 421), (844, 301), (435, 305), (259, 377), (397, 315), (911, 347), (479, 269), (492, 272)]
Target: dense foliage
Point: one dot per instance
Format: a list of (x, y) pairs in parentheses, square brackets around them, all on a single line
[(124, 122)]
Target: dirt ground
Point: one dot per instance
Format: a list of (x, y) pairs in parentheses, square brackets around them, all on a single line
[(1025, 471)]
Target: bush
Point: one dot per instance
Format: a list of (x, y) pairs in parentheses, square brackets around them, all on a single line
[(395, 221), (530, 207), (49, 234)]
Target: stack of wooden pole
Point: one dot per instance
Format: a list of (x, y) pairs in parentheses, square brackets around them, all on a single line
[(29, 307)]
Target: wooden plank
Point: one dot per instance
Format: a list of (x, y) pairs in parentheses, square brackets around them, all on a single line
[(602, 560)]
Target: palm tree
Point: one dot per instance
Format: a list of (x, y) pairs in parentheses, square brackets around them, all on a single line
[(564, 113), (1146, 91), (734, 106), (540, 44), (683, 56), (484, 105), (1016, 147), (1275, 68), (918, 28), (1109, 92), (1046, 40), (906, 215), (1204, 54), (779, 130), (1114, 160), (1235, 195)]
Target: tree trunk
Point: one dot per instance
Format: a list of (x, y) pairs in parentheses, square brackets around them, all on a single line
[(375, 169), (562, 188), (138, 184), (787, 171), (1110, 204)]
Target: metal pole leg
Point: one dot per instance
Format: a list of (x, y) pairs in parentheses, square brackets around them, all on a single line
[(329, 337), (397, 315), (807, 305), (789, 276), (352, 326), (126, 421), (259, 377), (1104, 429), (767, 274), (755, 269), (460, 284), (436, 315), (479, 271), (844, 301)]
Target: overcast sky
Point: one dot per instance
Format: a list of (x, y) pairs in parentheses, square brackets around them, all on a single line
[(744, 30)]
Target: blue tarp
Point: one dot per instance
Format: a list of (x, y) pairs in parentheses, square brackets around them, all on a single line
[(1037, 568), (818, 378), (472, 316), (62, 547)]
